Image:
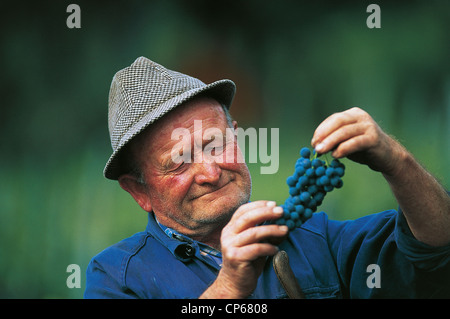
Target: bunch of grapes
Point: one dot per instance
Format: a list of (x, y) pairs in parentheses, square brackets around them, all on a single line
[(311, 181)]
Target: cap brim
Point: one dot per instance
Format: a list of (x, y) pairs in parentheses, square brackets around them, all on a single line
[(223, 91)]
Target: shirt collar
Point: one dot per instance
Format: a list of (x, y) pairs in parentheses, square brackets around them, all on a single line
[(181, 246), (171, 233)]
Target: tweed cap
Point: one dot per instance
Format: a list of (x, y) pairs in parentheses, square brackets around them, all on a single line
[(145, 91)]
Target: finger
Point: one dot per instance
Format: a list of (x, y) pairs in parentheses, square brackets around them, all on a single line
[(353, 145), (250, 206), (340, 135), (255, 217), (259, 234), (330, 124), (252, 252)]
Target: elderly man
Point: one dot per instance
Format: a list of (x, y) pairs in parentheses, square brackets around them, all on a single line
[(205, 239)]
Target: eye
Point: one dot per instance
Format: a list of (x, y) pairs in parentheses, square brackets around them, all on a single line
[(215, 148), (179, 165), (178, 156), (177, 168)]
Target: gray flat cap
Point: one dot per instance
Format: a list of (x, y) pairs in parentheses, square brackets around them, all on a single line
[(145, 91)]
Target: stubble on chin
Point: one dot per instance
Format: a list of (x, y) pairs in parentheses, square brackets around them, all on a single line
[(211, 216), (221, 214)]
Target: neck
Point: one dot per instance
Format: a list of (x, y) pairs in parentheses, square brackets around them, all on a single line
[(212, 239)]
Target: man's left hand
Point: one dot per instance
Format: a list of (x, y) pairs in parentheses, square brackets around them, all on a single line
[(354, 134)]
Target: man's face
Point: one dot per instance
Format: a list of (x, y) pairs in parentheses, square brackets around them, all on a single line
[(190, 195)]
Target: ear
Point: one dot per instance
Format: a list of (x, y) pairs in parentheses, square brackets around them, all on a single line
[(137, 190), (235, 125)]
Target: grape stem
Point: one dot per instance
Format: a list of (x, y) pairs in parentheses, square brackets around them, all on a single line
[(316, 155)]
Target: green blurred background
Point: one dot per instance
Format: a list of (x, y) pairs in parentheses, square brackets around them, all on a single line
[(294, 64)]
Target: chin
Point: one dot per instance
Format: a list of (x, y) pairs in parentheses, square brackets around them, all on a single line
[(224, 207)]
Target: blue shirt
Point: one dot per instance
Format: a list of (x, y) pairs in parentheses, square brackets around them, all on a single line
[(330, 259)]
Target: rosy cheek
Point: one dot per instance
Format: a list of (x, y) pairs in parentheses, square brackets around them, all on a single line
[(177, 186)]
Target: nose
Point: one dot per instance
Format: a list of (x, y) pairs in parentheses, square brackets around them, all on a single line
[(207, 173)]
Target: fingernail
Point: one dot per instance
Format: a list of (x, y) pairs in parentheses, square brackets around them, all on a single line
[(283, 228), (320, 147), (278, 210), (271, 204)]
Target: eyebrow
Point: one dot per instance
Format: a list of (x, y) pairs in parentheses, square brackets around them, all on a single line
[(166, 159)]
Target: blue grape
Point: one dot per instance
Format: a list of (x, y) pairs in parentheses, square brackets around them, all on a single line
[(318, 197), (289, 206), (305, 196), (303, 181), (312, 204), (299, 209), (306, 163), (293, 191), (310, 172), (324, 180), (300, 170), (296, 200), (313, 189), (320, 171), (290, 224), (339, 171), (291, 181), (334, 163), (335, 180), (305, 152), (308, 213), (317, 163), (339, 184), (329, 171)]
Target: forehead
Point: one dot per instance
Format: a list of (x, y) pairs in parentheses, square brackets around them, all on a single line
[(201, 108)]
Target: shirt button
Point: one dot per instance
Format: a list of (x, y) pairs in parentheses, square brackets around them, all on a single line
[(189, 251), (185, 251)]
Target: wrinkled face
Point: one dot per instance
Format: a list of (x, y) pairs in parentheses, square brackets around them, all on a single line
[(197, 178)]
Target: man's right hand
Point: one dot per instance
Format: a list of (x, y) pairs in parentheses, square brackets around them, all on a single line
[(245, 247)]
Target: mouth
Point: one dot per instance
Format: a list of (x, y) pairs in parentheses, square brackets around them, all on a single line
[(212, 191)]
